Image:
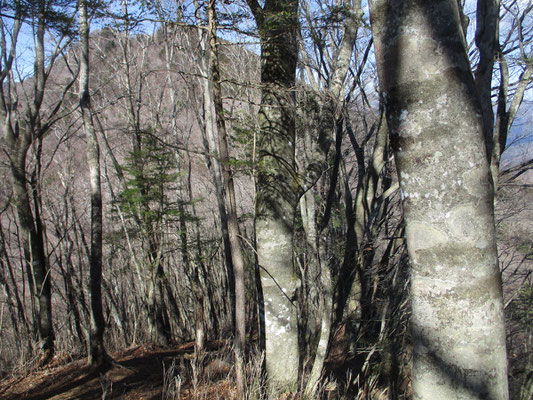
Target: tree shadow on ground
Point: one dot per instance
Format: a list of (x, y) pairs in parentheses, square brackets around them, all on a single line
[(138, 373)]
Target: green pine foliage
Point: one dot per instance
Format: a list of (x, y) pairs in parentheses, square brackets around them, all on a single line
[(151, 189)]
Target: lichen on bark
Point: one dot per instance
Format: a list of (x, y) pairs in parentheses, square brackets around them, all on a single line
[(437, 135)]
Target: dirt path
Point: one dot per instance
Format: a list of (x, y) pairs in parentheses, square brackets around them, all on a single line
[(137, 374)]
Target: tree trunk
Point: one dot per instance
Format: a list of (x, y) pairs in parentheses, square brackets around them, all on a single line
[(213, 163), (277, 187), (19, 135), (97, 355), (437, 134), (487, 32), (34, 248), (233, 226), (23, 124), (308, 206)]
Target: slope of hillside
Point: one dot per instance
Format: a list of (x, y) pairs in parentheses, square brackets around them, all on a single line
[(140, 372)]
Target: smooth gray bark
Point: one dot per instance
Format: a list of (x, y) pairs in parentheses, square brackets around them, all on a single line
[(277, 187), (97, 355), (437, 134)]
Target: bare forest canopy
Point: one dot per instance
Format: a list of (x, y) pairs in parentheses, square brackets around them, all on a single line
[(317, 183)]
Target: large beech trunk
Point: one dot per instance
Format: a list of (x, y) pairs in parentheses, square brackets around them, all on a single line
[(437, 134), (277, 187)]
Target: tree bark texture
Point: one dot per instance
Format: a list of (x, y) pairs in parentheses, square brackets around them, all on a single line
[(97, 354), (233, 226), (277, 187), (437, 134), (487, 33)]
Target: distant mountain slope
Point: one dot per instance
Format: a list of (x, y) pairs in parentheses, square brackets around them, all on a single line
[(520, 140)]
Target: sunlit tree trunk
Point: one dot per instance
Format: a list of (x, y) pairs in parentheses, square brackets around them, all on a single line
[(437, 134), (233, 226), (213, 163), (96, 355), (277, 186)]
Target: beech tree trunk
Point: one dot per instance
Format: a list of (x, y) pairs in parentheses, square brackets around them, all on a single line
[(277, 187), (97, 355), (437, 134)]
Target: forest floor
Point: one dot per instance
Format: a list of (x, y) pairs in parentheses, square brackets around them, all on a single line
[(138, 373)]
